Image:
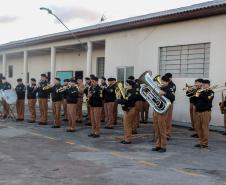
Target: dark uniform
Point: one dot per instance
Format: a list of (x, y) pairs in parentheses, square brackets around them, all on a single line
[(86, 91), (57, 98), (5, 86), (172, 86), (66, 81), (20, 91), (128, 106), (32, 99), (80, 102), (138, 107), (96, 104), (159, 121), (203, 109), (43, 96), (103, 116), (72, 100), (109, 105)]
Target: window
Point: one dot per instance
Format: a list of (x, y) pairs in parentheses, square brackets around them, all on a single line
[(100, 66), (185, 61), (124, 72), (10, 68)]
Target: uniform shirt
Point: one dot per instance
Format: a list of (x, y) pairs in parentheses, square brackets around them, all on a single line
[(31, 91), (72, 95), (43, 93), (56, 96), (129, 101), (169, 93), (204, 101), (103, 85), (96, 96), (173, 86), (191, 95), (109, 94), (20, 91), (138, 95), (6, 86)]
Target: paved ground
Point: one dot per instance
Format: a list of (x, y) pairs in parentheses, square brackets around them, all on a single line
[(39, 155)]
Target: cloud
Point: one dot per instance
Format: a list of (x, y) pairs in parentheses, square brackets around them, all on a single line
[(7, 19), (70, 13)]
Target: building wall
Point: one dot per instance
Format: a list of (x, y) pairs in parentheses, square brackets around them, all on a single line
[(140, 48)]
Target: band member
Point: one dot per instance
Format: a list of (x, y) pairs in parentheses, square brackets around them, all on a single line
[(109, 103), (145, 111), (5, 86), (43, 99), (128, 106), (116, 105), (103, 85), (170, 112), (57, 97), (95, 96), (203, 109), (32, 99), (20, 91), (86, 90), (66, 81), (191, 93), (159, 120), (72, 100), (138, 106), (81, 89)]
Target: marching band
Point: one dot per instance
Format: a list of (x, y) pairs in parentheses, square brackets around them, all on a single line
[(103, 100)]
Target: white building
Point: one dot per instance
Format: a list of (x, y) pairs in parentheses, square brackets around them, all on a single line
[(189, 42)]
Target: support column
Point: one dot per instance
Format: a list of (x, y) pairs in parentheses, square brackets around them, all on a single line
[(4, 70), (25, 80), (53, 63), (89, 58)]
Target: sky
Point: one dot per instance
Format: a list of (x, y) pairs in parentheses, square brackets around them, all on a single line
[(20, 19)]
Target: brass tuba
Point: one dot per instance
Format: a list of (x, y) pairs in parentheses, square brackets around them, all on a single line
[(150, 90), (120, 91)]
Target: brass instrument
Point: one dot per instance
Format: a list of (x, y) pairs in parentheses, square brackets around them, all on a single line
[(64, 88), (47, 87), (150, 91), (189, 87), (157, 79), (120, 91)]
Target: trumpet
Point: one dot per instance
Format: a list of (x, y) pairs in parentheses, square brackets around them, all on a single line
[(64, 88), (189, 87), (47, 87)]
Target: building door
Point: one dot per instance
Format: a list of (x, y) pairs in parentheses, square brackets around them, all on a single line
[(64, 75), (100, 66)]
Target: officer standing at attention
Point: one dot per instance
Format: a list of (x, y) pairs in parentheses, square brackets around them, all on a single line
[(170, 111), (20, 91), (57, 97), (109, 103), (72, 100), (95, 96), (32, 99), (203, 109), (5, 86), (43, 96), (128, 106), (159, 120)]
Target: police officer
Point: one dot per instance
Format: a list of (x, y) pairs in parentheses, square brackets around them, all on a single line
[(109, 103), (43, 96), (66, 81), (193, 100), (103, 85), (86, 91), (57, 97), (203, 109), (81, 88), (32, 99), (5, 86), (159, 120), (72, 100), (95, 96), (20, 91), (128, 106), (170, 112)]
